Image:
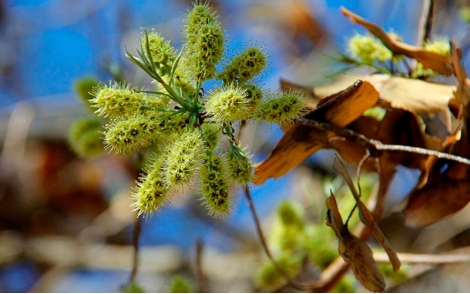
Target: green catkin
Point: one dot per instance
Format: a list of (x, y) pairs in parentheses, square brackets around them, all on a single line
[(270, 278), (254, 96), (228, 105), (161, 51), (288, 229), (369, 49), (171, 122), (283, 109), (178, 119), (214, 186), (291, 215), (183, 158), (132, 287), (440, 46), (210, 132), (117, 100), (151, 192), (243, 67), (204, 42), (83, 87), (85, 137), (125, 135), (180, 284), (240, 166)]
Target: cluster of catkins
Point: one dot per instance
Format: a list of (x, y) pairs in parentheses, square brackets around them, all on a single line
[(184, 125)]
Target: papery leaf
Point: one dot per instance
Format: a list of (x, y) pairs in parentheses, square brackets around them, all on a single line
[(439, 199), (446, 192), (366, 216), (416, 96), (437, 62), (462, 92), (299, 141), (354, 251)]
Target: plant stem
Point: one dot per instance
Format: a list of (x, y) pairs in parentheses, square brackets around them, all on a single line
[(135, 245)]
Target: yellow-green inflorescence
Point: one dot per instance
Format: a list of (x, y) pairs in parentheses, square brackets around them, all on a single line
[(215, 187), (185, 125), (369, 49), (85, 137), (439, 45)]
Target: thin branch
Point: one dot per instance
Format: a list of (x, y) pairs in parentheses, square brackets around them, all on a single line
[(200, 277), (263, 239), (424, 258), (135, 245), (425, 22), (375, 147)]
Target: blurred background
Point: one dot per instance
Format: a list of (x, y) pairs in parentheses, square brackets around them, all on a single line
[(65, 221)]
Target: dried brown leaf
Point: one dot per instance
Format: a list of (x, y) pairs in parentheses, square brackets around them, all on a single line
[(437, 62), (438, 199), (416, 96), (366, 216), (299, 141), (354, 251), (462, 93), (447, 192)]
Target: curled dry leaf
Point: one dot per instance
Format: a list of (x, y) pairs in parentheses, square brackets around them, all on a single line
[(415, 96), (437, 62), (366, 216), (354, 251), (446, 192), (299, 141), (439, 199)]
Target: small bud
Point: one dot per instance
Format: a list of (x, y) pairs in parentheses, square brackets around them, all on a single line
[(283, 109), (183, 158), (228, 105), (239, 164), (85, 137), (215, 187), (151, 192), (243, 67)]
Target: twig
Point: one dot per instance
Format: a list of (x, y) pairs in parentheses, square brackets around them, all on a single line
[(135, 245), (263, 239), (425, 258), (425, 22), (200, 277), (375, 147)]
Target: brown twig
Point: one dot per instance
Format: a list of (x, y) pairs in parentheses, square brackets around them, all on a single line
[(425, 258), (135, 245), (200, 277), (425, 21), (375, 147)]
